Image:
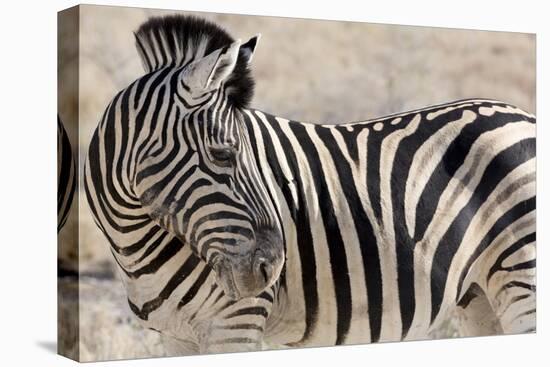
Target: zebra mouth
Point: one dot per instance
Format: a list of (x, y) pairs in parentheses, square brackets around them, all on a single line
[(224, 277)]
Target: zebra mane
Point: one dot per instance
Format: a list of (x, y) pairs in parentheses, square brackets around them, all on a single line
[(173, 40)]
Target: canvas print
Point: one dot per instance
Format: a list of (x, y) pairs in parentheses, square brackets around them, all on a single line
[(232, 183)]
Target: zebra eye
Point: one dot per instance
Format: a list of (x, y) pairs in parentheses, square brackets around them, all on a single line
[(222, 157)]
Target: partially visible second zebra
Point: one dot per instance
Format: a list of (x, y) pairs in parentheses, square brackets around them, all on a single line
[(66, 170), (231, 226)]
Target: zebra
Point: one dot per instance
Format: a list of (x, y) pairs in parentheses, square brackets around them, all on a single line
[(66, 181), (232, 227)]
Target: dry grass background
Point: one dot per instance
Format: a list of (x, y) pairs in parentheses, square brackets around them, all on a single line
[(310, 70)]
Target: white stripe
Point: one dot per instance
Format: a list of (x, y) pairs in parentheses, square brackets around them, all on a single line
[(391, 316), (425, 160), (359, 325)]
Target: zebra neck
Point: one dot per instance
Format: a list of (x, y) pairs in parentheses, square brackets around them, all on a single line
[(293, 155), (305, 165)]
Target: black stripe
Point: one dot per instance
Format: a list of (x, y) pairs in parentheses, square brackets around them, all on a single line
[(255, 310), (150, 140), (193, 290), (400, 170), (450, 162), (151, 170), (94, 172), (350, 139), (213, 287), (504, 162), (223, 214), (108, 145), (167, 179), (155, 33), (519, 298), (243, 231), (521, 266), (241, 327), (303, 231), (215, 197), (364, 230), (66, 181), (123, 130), (152, 247), (167, 252), (149, 37), (140, 243), (520, 243), (337, 252), (516, 283), (265, 295), (145, 57), (179, 276), (525, 313)]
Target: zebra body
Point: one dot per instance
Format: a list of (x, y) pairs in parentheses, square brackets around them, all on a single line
[(232, 227), (66, 182), (403, 214)]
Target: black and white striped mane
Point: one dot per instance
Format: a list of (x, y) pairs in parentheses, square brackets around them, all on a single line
[(177, 40)]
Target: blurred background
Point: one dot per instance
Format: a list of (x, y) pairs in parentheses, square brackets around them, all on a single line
[(308, 70)]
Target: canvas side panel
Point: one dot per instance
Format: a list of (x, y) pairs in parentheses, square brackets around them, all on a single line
[(68, 24)]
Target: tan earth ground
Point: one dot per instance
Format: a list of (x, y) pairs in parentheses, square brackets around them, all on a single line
[(319, 71)]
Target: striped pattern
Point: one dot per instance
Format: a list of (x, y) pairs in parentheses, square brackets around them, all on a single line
[(404, 214), (387, 225), (164, 207), (66, 182)]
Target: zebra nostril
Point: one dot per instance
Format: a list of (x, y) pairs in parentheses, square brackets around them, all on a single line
[(264, 271)]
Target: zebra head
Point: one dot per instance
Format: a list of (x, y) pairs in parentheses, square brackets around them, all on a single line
[(196, 173)]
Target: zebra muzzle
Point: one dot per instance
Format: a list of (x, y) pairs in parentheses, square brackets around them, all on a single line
[(249, 275)]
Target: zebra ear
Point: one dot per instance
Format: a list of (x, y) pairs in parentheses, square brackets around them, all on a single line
[(247, 49), (207, 74)]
